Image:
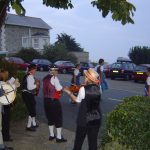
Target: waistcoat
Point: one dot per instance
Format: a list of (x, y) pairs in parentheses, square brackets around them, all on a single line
[(91, 101), (49, 90)]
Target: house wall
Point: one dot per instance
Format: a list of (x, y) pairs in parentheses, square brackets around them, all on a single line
[(14, 36), (81, 56)]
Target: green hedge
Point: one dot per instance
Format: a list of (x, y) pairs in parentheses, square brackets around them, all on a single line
[(128, 125), (18, 111)]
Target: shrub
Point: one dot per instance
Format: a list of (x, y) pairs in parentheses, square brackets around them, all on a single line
[(18, 111), (128, 124)]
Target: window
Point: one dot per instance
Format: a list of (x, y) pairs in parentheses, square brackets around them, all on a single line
[(36, 43), (25, 42)]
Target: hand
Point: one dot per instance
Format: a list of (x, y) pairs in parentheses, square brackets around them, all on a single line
[(16, 82), (67, 90)]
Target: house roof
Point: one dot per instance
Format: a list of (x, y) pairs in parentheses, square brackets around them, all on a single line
[(26, 21)]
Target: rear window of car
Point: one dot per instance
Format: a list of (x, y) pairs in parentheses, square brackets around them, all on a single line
[(141, 68)]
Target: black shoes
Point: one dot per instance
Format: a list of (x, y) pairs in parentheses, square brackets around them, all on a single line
[(62, 140), (51, 138), (36, 126), (31, 129)]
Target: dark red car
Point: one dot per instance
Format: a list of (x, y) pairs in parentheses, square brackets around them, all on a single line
[(140, 72), (107, 70), (19, 62), (65, 66)]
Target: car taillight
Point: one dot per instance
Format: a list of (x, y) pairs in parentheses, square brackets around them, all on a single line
[(122, 71)]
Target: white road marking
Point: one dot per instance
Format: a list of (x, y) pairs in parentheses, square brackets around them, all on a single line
[(114, 99), (128, 90)]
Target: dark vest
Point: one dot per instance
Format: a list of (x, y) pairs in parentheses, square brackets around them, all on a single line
[(91, 102)]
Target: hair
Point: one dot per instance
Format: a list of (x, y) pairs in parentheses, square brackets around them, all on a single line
[(101, 61), (77, 65), (4, 75), (31, 67)]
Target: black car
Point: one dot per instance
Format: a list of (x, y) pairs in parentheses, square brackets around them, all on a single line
[(122, 70), (42, 64)]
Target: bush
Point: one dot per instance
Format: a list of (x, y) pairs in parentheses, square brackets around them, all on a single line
[(128, 124), (10, 67), (19, 109)]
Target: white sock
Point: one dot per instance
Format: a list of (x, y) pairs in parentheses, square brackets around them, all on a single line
[(29, 122), (33, 121), (51, 130), (58, 133)]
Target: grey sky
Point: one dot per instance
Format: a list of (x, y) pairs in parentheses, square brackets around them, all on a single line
[(101, 37)]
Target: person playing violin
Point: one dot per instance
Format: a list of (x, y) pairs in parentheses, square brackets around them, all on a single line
[(52, 92), (89, 98), (29, 86)]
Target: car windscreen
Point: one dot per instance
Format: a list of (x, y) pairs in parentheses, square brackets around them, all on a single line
[(116, 66)]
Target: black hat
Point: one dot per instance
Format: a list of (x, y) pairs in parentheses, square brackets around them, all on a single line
[(53, 67), (31, 67)]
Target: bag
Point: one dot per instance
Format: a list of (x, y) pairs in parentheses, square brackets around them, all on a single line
[(92, 116)]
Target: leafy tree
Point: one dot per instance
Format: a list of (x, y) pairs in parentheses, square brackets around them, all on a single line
[(121, 10), (28, 54), (56, 52), (140, 55), (69, 42)]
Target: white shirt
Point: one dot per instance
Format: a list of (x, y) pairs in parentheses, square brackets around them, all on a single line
[(101, 68), (54, 81), (31, 82), (81, 95), (148, 81), (76, 72)]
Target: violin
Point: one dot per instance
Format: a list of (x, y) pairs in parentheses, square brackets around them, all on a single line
[(74, 88), (37, 82)]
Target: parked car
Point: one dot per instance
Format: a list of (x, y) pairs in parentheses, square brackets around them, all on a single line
[(85, 66), (42, 64), (65, 66), (18, 61), (122, 70), (140, 72)]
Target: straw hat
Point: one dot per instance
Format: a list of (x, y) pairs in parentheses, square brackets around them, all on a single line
[(92, 75)]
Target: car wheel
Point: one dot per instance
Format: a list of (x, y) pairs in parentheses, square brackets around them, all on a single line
[(64, 71), (41, 69), (135, 81)]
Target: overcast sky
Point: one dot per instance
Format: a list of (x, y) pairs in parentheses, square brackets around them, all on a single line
[(101, 37)]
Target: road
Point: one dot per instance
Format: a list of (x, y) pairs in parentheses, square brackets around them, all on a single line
[(118, 89)]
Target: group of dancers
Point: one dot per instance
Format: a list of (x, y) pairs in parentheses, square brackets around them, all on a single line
[(89, 97)]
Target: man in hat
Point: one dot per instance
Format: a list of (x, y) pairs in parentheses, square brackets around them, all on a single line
[(89, 96), (52, 92), (11, 85), (29, 86)]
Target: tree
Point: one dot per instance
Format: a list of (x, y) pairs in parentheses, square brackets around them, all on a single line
[(140, 55), (28, 54), (58, 51), (70, 43), (121, 10)]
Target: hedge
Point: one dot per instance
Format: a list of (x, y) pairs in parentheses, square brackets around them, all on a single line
[(128, 125)]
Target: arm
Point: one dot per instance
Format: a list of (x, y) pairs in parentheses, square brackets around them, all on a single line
[(79, 97)]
